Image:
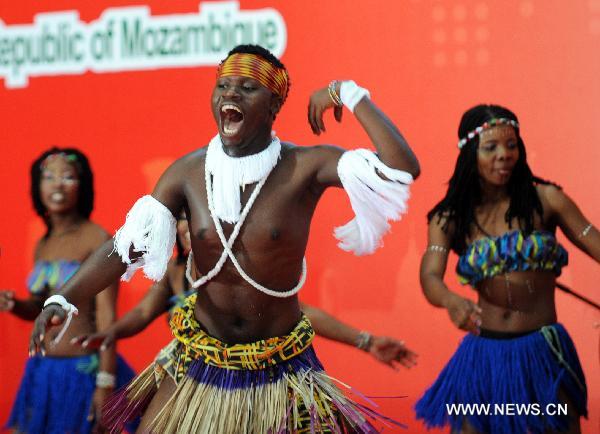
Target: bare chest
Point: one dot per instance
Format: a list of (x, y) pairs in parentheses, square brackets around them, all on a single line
[(280, 215)]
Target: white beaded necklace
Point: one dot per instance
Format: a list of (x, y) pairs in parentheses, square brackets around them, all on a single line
[(231, 173), (228, 244)]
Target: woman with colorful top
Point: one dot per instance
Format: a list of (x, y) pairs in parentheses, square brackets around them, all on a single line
[(501, 221), (64, 391), (173, 289)]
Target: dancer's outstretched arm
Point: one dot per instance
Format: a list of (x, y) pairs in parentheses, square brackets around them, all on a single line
[(154, 304), (387, 350), (377, 181)]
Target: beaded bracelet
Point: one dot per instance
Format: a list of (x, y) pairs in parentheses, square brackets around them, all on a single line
[(105, 380), (437, 248), (585, 230), (363, 341), (333, 94)]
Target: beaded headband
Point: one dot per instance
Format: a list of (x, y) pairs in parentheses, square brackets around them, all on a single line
[(489, 124), (253, 66), (70, 158)]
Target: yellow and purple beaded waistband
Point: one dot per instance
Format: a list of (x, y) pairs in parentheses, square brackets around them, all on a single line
[(253, 66), (198, 344), (489, 124)]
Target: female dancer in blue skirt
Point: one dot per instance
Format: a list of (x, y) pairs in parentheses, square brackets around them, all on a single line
[(64, 391), (501, 221)]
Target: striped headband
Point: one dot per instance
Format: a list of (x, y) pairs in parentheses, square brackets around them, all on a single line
[(489, 124), (253, 66)]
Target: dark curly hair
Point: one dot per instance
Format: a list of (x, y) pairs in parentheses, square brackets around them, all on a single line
[(85, 200), (464, 192)]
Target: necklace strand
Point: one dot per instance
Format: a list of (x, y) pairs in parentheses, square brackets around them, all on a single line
[(240, 270), (236, 230), (228, 244)]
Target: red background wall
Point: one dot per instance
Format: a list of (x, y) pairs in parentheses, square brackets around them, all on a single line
[(425, 62)]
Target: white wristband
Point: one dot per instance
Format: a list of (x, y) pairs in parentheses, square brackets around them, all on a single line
[(351, 94), (65, 305), (62, 302), (105, 380)]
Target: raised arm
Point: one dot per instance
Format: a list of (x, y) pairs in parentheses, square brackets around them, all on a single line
[(377, 184), (392, 149), (577, 228), (464, 313), (387, 350)]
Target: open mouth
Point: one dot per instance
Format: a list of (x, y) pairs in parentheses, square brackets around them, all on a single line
[(57, 197), (504, 172), (232, 119)]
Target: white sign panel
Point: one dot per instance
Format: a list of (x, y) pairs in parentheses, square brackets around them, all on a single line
[(130, 38)]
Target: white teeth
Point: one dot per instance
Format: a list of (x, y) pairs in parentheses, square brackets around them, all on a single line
[(226, 107), (57, 197)]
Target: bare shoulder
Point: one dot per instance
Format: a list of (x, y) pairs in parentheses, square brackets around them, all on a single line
[(93, 234), (189, 161), (309, 155), (553, 197), (548, 191), (316, 151), (38, 248), (170, 189)]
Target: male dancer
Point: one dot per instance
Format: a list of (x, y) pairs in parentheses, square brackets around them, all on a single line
[(241, 360)]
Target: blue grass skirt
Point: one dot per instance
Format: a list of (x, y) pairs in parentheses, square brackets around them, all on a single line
[(529, 369), (55, 394)]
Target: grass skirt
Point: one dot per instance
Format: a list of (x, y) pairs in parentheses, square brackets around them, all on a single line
[(55, 394), (530, 369), (276, 385)]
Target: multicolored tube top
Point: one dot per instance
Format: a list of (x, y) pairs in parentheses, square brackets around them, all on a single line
[(50, 275), (512, 251)]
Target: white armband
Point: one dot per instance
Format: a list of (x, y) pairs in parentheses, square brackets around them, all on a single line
[(149, 228), (351, 94), (374, 200)]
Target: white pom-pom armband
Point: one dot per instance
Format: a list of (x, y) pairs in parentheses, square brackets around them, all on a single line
[(149, 228), (374, 200)]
